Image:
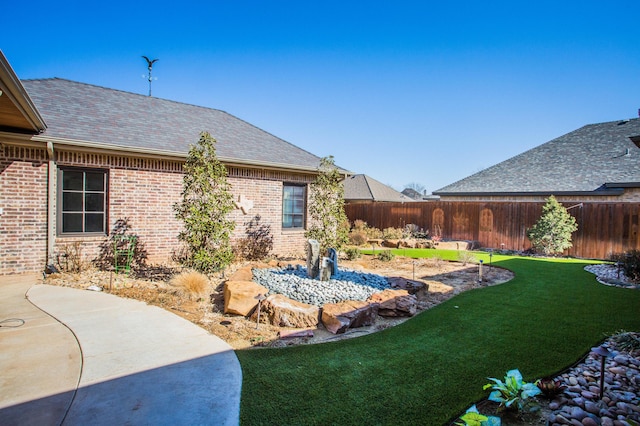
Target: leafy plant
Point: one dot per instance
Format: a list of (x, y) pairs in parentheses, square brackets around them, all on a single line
[(550, 387), (551, 234), (472, 417), (206, 203), (329, 224), (386, 255), (514, 392)]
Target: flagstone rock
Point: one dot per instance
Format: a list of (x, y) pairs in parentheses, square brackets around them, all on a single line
[(418, 288), (395, 303), (339, 317), (281, 311), (240, 297)]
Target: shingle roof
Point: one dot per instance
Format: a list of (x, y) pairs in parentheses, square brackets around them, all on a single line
[(363, 187), (580, 161), (82, 112)]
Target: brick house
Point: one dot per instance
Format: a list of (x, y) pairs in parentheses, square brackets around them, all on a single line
[(76, 158)]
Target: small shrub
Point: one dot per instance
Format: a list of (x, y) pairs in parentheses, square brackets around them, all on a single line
[(360, 225), (630, 263), (392, 233), (466, 257), (386, 255), (358, 238), (122, 230), (69, 257), (373, 233), (627, 341), (412, 230), (352, 253), (192, 284), (258, 242)]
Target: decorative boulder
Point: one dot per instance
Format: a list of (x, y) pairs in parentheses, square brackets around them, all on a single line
[(313, 259), (281, 311), (240, 297), (417, 288), (242, 274), (395, 303), (391, 243), (339, 317)]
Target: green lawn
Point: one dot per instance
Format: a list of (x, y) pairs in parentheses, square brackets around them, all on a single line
[(432, 367)]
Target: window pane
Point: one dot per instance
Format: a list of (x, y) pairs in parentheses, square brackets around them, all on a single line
[(72, 181), (293, 206), (72, 202), (94, 222), (95, 181), (72, 222), (94, 203)]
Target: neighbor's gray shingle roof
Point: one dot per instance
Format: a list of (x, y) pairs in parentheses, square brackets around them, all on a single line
[(580, 161), (83, 112), (363, 187)]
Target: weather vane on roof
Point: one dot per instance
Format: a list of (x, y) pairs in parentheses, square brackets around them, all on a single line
[(150, 63)]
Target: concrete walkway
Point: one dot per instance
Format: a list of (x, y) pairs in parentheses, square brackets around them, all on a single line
[(131, 363)]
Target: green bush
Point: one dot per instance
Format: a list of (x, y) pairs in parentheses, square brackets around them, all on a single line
[(352, 253), (386, 255)]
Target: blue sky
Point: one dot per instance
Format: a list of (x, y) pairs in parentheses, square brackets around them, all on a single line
[(404, 91)]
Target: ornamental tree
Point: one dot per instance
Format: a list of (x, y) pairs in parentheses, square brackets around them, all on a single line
[(204, 209), (551, 234), (329, 224)]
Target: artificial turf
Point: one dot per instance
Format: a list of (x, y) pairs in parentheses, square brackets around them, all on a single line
[(432, 367)]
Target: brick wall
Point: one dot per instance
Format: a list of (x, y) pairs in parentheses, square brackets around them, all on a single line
[(23, 200), (140, 191)]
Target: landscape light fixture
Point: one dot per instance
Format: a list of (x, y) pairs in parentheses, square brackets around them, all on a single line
[(604, 353), (260, 298)]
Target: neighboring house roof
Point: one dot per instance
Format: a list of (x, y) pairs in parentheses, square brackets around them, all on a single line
[(412, 193), (85, 115), (596, 159), (363, 187)]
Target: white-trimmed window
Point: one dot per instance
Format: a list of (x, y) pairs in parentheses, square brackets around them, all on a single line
[(82, 201), (293, 206)]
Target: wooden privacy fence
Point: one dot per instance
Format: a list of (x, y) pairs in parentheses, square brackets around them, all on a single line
[(603, 228)]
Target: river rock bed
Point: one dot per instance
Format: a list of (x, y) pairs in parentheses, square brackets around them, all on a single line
[(580, 403), (294, 283)]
